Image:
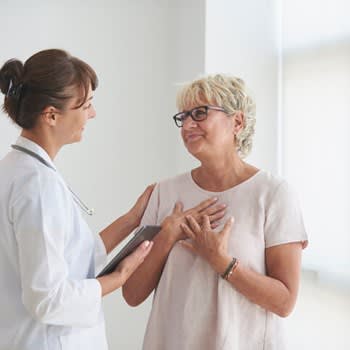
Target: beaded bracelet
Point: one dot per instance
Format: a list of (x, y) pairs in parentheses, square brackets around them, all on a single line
[(230, 268)]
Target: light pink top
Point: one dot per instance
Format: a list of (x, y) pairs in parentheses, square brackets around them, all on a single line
[(193, 307)]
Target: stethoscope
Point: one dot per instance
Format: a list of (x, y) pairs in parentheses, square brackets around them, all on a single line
[(43, 161)]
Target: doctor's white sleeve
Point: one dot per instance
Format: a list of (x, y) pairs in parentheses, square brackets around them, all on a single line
[(100, 254), (40, 218)]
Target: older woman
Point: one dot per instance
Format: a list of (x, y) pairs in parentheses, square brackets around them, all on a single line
[(226, 289)]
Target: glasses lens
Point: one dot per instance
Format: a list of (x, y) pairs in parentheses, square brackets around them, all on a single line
[(199, 113), (179, 118)]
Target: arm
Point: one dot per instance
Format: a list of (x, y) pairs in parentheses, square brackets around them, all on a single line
[(50, 295), (125, 269), (145, 279), (276, 291), (123, 226)]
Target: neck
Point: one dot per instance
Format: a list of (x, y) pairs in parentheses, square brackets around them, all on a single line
[(43, 140), (219, 174)]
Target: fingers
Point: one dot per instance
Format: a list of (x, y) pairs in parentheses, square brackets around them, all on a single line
[(189, 233), (193, 224), (147, 192), (188, 245), (217, 216), (227, 228), (142, 250), (178, 208), (220, 208), (206, 223), (205, 204), (133, 261), (214, 224)]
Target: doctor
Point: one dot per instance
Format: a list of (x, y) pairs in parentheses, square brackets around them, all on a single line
[(49, 297)]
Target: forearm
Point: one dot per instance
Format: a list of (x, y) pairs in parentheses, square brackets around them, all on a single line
[(117, 231), (110, 282), (144, 280), (265, 291)]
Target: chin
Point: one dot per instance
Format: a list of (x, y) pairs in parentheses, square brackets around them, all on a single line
[(75, 139), (194, 150)]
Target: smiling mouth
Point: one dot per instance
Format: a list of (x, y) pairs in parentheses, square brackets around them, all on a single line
[(192, 138)]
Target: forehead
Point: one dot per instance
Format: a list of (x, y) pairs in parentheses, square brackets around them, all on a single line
[(79, 95), (188, 105)]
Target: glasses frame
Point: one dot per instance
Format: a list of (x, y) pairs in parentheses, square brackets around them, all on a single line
[(180, 122)]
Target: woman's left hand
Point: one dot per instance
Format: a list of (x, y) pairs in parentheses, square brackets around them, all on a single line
[(136, 212), (208, 244)]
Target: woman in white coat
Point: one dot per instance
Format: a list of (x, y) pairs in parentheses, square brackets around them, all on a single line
[(49, 296)]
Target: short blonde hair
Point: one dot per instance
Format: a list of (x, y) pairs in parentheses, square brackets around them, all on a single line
[(227, 92)]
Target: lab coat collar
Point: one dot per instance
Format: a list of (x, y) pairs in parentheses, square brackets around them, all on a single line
[(34, 147)]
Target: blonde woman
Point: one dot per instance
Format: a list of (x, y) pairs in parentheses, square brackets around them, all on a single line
[(225, 288)]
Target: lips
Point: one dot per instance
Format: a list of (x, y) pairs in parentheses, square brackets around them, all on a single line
[(192, 137)]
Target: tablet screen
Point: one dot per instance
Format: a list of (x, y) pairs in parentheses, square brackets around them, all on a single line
[(143, 233)]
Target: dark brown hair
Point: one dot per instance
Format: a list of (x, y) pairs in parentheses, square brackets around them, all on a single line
[(48, 78)]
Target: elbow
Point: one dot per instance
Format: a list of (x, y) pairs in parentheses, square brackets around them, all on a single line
[(40, 310), (283, 313), (130, 297), (285, 309)]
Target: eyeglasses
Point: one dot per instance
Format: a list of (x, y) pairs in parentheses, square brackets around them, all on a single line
[(197, 114)]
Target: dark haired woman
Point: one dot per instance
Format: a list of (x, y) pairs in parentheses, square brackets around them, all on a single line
[(49, 297)]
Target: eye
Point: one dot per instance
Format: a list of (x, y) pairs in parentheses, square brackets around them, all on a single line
[(199, 113)]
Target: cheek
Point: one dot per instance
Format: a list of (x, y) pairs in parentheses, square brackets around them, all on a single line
[(182, 133)]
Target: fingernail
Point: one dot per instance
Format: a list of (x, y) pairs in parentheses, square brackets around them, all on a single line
[(146, 244)]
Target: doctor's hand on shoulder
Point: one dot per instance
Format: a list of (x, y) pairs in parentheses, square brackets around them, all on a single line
[(136, 212)]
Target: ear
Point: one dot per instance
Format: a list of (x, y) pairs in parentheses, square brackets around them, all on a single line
[(50, 115), (238, 122)]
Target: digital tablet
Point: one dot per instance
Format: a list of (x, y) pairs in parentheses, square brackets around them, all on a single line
[(143, 233)]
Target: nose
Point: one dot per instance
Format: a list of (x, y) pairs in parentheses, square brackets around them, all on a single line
[(189, 123)]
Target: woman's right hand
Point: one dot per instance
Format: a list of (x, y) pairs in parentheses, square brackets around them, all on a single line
[(125, 268), (171, 225)]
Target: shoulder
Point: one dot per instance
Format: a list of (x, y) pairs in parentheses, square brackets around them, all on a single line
[(174, 181), (271, 185), (173, 185), (31, 182), (277, 193)]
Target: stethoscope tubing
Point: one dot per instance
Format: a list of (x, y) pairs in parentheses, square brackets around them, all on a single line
[(81, 204)]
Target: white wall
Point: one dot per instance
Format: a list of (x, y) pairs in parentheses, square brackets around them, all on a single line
[(242, 39), (317, 145)]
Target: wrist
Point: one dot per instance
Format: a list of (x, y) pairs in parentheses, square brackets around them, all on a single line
[(220, 263), (230, 269), (167, 238), (132, 219)]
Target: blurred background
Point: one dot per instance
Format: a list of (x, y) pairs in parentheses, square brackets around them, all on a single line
[(295, 57)]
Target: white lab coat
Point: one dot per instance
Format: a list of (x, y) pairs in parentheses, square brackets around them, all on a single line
[(49, 298)]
